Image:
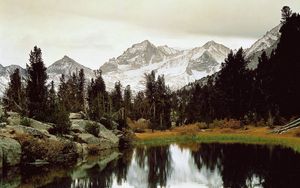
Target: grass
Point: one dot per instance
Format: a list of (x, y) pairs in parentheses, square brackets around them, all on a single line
[(252, 135)]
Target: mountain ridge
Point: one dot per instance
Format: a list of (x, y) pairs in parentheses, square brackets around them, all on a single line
[(180, 67)]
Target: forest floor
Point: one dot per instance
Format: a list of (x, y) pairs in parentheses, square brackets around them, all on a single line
[(247, 135)]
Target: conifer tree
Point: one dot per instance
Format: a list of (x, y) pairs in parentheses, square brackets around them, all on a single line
[(97, 98), (117, 98), (36, 90), (80, 90), (14, 97)]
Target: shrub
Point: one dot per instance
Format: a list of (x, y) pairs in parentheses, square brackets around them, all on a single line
[(108, 122), (297, 132), (138, 126), (25, 121), (226, 123), (53, 151), (93, 149), (3, 118), (186, 129), (61, 121), (216, 123), (92, 128)]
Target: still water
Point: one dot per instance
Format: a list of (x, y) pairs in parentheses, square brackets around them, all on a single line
[(184, 166)]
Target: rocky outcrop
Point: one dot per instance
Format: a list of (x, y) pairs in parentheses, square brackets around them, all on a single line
[(20, 129), (104, 135), (10, 151), (35, 141)]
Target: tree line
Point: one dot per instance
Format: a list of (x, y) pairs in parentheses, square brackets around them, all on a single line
[(268, 93)]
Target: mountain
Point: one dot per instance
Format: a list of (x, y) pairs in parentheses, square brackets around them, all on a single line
[(267, 43), (178, 66), (67, 66), (5, 73)]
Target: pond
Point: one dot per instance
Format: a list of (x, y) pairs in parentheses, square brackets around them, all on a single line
[(184, 165)]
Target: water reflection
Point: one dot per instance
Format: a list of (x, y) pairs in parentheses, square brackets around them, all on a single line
[(192, 165)]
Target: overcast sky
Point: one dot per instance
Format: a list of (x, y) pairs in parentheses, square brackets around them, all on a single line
[(92, 31)]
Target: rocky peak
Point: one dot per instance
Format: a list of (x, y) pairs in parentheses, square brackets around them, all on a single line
[(209, 44)]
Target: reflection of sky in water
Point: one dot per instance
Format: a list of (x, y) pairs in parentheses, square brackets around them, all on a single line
[(184, 173)]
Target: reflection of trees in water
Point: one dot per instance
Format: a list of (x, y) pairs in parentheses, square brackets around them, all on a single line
[(251, 165), (98, 176), (140, 156), (158, 161), (122, 166)]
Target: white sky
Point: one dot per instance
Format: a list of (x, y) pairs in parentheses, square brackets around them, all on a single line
[(92, 31)]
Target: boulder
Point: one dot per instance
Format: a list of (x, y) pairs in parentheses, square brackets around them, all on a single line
[(76, 116), (40, 125), (108, 135), (87, 138), (81, 149), (11, 152), (77, 128), (80, 124)]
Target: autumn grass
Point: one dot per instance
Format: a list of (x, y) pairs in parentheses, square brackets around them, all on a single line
[(251, 135)]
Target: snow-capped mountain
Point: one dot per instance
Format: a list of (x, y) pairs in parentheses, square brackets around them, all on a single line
[(178, 66), (267, 43), (5, 73), (67, 66)]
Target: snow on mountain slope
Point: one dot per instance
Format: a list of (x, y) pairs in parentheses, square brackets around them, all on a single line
[(178, 67), (5, 73), (267, 43)]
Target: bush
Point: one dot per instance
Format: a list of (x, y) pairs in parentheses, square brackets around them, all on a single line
[(3, 118), (92, 128), (226, 123), (25, 121), (93, 149), (296, 132), (53, 151), (138, 126), (61, 121)]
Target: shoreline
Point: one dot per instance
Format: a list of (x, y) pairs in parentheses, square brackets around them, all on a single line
[(252, 135)]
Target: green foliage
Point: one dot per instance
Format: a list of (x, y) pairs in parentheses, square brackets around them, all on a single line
[(92, 128), (14, 96), (71, 92), (36, 90), (25, 121), (60, 119), (158, 95), (97, 98)]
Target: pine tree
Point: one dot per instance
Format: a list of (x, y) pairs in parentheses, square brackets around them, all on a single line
[(286, 67), (117, 98), (232, 85), (158, 96), (97, 98), (36, 90), (14, 97), (62, 93), (80, 91)]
